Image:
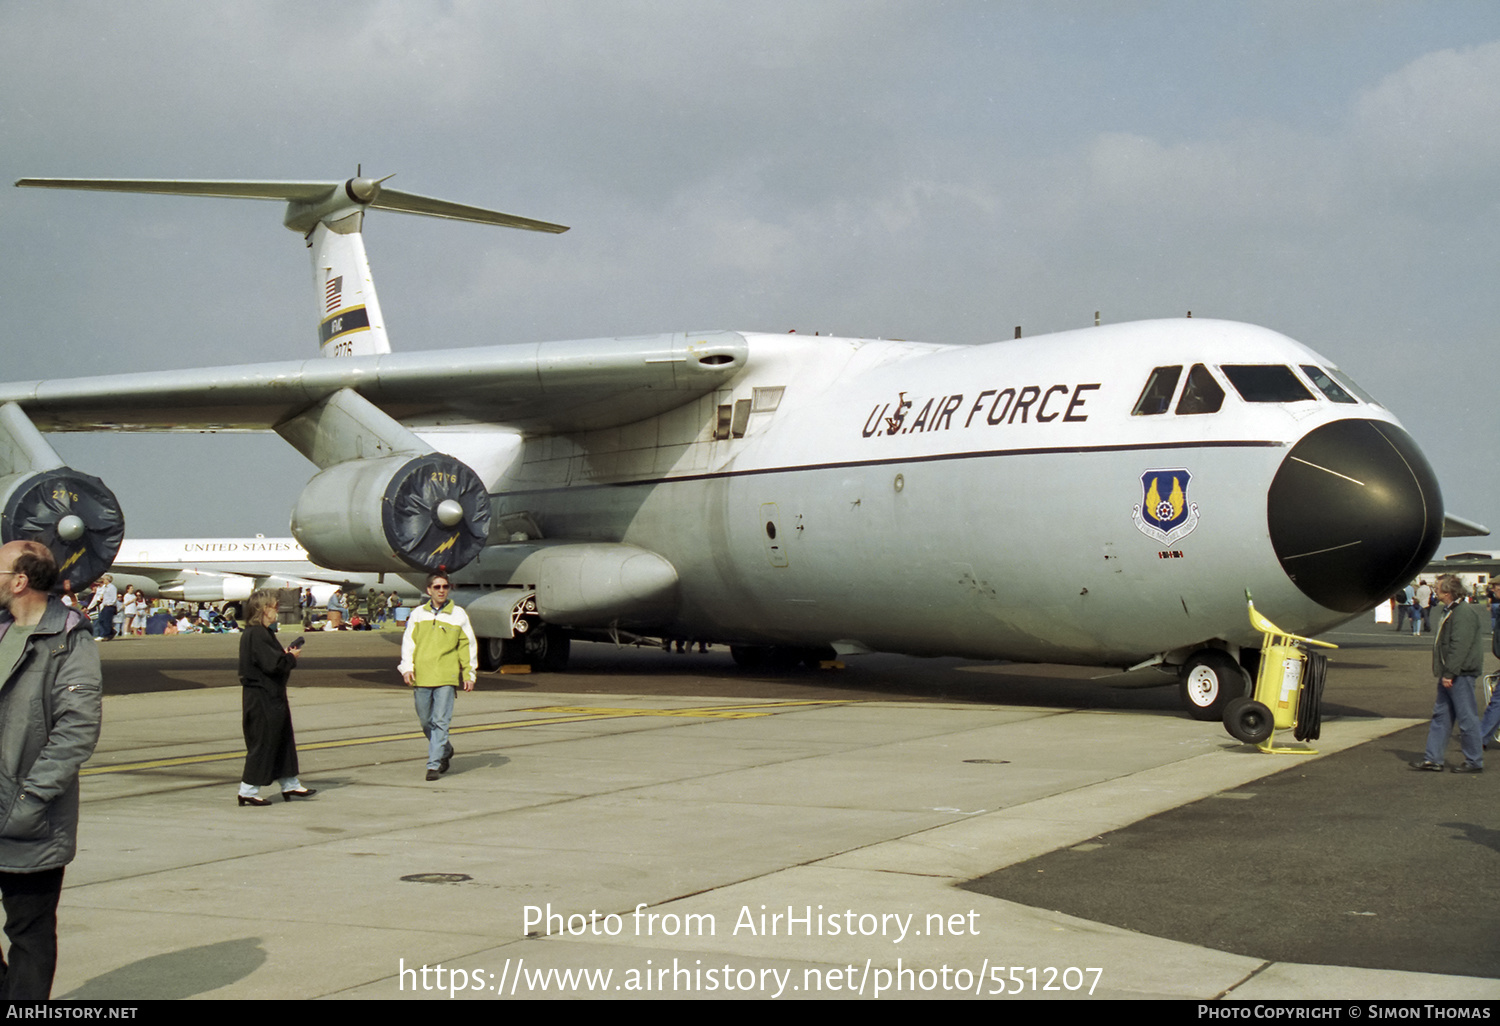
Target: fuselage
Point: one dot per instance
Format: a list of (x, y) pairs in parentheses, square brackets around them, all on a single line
[(1064, 498), (229, 569)]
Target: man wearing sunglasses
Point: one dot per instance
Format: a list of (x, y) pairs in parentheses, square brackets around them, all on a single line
[(49, 723), (438, 654)]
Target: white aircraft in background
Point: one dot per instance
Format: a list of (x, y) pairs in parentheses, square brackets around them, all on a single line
[(229, 569), (1106, 496)]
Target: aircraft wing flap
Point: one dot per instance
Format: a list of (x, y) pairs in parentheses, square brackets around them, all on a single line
[(558, 386)]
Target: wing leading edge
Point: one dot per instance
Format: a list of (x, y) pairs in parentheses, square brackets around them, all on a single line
[(558, 386)]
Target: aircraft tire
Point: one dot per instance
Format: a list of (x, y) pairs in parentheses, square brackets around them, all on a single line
[(814, 658), (1210, 679), (544, 648), (1248, 720), (491, 654), (779, 658), (559, 646), (748, 657), (784, 658)]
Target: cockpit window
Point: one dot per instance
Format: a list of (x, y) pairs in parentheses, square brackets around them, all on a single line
[(1327, 385), (1348, 383), (1266, 383), (1156, 397), (1202, 393)]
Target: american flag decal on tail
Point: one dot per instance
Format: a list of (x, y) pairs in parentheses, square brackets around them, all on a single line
[(333, 293)]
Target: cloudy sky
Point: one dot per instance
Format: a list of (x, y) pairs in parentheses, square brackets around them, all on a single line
[(930, 170)]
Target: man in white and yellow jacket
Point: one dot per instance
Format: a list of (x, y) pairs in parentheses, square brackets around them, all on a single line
[(438, 653)]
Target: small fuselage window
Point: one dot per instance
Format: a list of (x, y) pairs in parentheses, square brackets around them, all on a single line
[(1327, 385), (1266, 383), (1202, 393), (1156, 397)]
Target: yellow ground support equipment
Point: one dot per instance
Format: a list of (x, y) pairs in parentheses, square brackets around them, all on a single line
[(1288, 691)]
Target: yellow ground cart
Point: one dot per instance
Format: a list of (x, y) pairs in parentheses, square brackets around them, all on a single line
[(1288, 691)]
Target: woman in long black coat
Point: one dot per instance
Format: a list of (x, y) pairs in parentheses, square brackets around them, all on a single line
[(271, 754)]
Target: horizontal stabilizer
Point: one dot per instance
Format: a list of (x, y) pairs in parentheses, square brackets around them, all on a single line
[(357, 191), (411, 203)]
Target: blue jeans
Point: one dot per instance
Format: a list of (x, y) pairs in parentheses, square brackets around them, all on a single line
[(1455, 703), (1491, 720), (435, 712)]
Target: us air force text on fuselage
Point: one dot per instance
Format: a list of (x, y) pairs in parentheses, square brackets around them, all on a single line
[(993, 407)]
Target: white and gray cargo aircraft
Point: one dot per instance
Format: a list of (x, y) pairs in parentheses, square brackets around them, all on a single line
[(229, 569), (1105, 496)]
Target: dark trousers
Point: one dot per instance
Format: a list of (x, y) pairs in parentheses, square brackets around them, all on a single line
[(30, 901)]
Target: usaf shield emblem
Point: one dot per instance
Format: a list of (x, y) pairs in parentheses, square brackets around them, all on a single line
[(1165, 512)]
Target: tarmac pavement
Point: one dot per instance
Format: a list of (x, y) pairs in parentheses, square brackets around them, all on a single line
[(635, 827)]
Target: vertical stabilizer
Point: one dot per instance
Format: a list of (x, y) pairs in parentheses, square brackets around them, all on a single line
[(350, 322), (329, 215)]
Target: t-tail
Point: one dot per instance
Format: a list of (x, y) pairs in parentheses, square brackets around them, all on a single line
[(330, 216)]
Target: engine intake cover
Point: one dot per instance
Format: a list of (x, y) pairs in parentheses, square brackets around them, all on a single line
[(429, 513), (73, 514)]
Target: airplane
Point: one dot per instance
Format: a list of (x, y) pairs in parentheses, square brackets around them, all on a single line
[(1106, 496), (228, 570)]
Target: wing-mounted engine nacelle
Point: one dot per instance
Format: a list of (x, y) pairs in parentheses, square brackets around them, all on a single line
[(577, 584), (71, 513), (383, 500), (192, 586), (394, 514)]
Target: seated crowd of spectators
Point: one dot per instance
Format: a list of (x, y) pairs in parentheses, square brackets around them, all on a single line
[(113, 614)]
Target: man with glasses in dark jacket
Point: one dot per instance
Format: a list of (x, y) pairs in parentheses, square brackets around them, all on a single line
[(50, 701), (1457, 662)]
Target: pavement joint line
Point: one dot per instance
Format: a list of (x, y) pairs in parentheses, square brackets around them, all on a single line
[(574, 714)]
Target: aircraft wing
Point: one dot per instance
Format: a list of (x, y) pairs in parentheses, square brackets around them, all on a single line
[(1464, 562), (557, 386), (1458, 527)]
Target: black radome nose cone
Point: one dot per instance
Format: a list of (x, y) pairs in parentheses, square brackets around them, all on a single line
[(1354, 512)]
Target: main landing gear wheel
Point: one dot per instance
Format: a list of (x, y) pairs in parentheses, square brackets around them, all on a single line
[(780, 658), (1210, 679), (1248, 720), (491, 654), (544, 647), (748, 657)]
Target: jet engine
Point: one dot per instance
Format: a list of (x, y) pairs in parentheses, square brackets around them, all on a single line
[(73, 514), (394, 514)]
